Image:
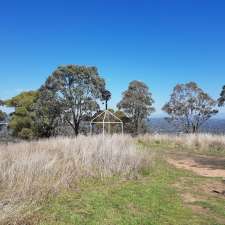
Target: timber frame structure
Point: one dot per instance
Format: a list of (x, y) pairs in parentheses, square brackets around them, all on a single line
[(104, 119)]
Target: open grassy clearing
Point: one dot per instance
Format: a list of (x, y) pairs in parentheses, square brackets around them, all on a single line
[(30, 172), (200, 144), (157, 197), (151, 192)]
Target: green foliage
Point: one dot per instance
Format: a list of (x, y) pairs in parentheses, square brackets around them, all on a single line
[(76, 89), (47, 111), (24, 99), (126, 122), (26, 134), (189, 107), (137, 104), (22, 119), (121, 115)]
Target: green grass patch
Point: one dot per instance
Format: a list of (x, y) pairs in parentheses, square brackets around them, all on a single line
[(149, 200), (217, 207)]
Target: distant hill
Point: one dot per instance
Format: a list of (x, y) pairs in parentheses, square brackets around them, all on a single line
[(214, 125)]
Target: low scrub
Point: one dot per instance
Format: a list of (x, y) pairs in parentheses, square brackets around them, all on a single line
[(33, 170)]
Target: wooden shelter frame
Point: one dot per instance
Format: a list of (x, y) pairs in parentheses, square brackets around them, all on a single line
[(104, 123)]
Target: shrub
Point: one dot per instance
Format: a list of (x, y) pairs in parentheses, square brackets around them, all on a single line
[(26, 134)]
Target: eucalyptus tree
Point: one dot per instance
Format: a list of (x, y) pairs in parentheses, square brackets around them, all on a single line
[(47, 114), (137, 103), (76, 90), (189, 107)]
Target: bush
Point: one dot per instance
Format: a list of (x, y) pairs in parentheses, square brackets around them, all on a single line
[(26, 134)]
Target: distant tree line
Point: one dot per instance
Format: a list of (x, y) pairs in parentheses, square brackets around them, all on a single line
[(72, 94)]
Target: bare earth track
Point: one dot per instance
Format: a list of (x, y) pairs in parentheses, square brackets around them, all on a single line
[(201, 165)]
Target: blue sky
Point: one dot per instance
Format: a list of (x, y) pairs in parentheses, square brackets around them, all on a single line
[(160, 42)]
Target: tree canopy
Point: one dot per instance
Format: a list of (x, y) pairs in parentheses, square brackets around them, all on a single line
[(137, 103), (106, 96), (189, 107), (21, 121), (76, 89), (24, 99), (72, 94), (47, 114)]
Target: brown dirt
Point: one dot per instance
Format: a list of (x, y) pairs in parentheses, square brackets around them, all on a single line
[(216, 188), (188, 198), (201, 165), (32, 220), (197, 191)]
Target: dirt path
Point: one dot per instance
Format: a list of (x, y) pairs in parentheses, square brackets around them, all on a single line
[(201, 165)]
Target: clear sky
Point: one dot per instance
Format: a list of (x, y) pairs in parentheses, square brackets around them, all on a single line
[(160, 42)]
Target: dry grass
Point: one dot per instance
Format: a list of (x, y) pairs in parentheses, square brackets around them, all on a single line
[(32, 170), (201, 143)]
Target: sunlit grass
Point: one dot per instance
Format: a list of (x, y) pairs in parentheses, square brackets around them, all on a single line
[(151, 200), (205, 144)]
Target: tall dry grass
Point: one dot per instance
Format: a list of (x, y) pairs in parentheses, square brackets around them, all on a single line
[(32, 170), (202, 143)]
